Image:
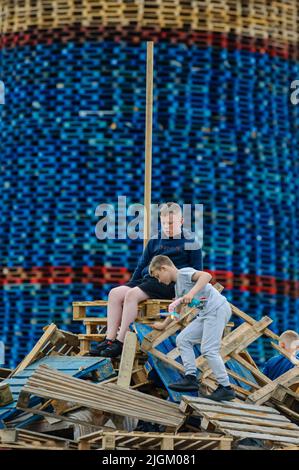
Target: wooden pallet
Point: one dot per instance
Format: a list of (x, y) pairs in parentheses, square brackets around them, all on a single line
[(264, 394), (241, 420), (147, 309), (77, 366), (119, 440), (24, 439), (53, 341), (48, 383)]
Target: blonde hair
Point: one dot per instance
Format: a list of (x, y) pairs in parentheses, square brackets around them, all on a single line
[(170, 208), (288, 337), (157, 262)]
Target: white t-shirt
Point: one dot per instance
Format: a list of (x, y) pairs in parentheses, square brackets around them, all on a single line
[(210, 298)]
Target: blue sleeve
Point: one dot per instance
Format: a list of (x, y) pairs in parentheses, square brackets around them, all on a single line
[(144, 261), (195, 258)]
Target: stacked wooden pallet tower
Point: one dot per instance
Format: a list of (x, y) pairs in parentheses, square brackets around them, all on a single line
[(60, 398)]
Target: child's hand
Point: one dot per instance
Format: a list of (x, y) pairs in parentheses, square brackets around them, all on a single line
[(158, 325), (174, 305), (187, 298)]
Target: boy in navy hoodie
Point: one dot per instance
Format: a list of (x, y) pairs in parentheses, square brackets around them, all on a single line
[(123, 300)]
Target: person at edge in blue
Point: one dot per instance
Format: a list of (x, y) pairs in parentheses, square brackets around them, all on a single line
[(171, 240), (279, 364)]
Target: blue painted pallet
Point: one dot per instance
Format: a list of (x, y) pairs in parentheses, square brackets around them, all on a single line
[(75, 366), (167, 374)]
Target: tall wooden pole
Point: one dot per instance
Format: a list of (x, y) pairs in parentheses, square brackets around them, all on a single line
[(148, 140)]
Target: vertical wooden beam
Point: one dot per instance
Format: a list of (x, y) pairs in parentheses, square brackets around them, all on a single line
[(127, 360), (148, 140), (84, 346)]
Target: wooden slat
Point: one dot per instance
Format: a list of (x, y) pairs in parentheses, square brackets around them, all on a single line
[(251, 419), (257, 428), (238, 413), (127, 360), (230, 405), (269, 437)]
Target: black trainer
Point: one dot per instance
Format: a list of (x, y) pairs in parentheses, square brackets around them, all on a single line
[(222, 394), (100, 347), (188, 384), (113, 349)]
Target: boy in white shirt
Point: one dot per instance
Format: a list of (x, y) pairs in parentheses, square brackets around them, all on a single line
[(207, 328)]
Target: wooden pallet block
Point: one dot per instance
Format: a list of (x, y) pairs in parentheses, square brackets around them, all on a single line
[(153, 441), (241, 420), (86, 339)]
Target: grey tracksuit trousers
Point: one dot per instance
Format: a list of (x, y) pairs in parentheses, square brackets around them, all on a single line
[(207, 330)]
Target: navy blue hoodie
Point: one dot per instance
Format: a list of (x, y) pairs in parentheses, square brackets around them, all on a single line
[(276, 366), (174, 249)]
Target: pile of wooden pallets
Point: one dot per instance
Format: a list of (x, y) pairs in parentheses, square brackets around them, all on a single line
[(126, 403)]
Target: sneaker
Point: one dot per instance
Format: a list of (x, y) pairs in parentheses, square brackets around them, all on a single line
[(188, 384), (100, 347), (222, 394), (113, 349)]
